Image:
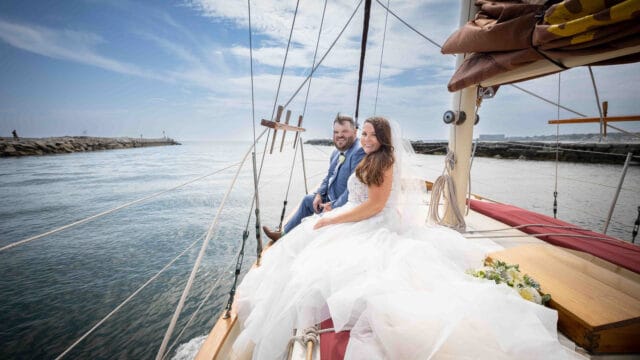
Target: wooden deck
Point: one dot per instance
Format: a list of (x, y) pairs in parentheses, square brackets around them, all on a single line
[(598, 308)]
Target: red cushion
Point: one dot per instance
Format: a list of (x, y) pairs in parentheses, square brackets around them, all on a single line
[(616, 251), (332, 345)]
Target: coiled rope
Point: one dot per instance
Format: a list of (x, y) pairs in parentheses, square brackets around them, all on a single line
[(444, 187), (309, 335)]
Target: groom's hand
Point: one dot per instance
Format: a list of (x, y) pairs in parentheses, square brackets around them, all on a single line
[(326, 207), (317, 203)]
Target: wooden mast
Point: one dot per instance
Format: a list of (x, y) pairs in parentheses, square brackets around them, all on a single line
[(461, 136)]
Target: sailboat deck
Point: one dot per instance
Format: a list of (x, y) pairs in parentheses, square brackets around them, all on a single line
[(598, 302)]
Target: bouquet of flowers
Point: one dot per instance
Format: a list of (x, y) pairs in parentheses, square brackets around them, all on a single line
[(501, 272)]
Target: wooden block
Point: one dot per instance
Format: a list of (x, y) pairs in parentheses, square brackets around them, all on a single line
[(275, 129), (598, 309), (284, 131), (275, 125)]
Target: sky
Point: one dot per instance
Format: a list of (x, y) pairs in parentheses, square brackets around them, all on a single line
[(182, 68)]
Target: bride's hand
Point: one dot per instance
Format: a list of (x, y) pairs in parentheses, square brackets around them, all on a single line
[(324, 221)]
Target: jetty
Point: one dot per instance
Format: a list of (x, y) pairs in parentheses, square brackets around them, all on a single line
[(595, 153), (10, 147), (581, 152)]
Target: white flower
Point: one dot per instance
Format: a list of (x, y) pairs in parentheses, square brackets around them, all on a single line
[(531, 294), (513, 277), (501, 272)]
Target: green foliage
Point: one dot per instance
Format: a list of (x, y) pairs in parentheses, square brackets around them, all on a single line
[(502, 273)]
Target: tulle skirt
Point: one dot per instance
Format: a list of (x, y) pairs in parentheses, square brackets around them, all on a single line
[(402, 292)]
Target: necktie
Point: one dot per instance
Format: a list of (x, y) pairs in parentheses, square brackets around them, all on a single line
[(341, 159)]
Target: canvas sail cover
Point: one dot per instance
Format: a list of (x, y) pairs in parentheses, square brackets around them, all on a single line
[(508, 34)]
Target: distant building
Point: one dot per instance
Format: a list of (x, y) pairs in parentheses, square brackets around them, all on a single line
[(492, 137)]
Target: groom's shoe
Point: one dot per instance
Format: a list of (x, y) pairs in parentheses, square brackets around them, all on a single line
[(273, 235)]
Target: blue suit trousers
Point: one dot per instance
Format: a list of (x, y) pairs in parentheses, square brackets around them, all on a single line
[(305, 209)]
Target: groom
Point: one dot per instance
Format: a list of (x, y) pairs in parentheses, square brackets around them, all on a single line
[(333, 192)]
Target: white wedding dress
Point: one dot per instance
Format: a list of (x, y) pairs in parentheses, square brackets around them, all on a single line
[(398, 284), (401, 289)]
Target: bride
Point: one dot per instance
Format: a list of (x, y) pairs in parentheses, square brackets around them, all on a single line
[(399, 285)]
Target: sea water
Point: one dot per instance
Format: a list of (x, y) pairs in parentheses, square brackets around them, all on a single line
[(55, 289)]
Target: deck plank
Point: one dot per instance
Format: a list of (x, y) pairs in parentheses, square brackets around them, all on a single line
[(597, 308)]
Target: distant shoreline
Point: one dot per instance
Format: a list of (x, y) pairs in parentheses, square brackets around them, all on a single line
[(10, 147), (581, 152)]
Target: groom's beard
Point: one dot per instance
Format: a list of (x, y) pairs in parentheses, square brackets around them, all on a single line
[(343, 143)]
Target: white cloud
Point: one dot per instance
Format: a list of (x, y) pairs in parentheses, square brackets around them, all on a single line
[(212, 70), (64, 45)]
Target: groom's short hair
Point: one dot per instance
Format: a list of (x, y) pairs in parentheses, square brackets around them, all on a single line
[(342, 119)]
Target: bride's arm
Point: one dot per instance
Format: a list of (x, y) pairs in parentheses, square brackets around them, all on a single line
[(376, 200)]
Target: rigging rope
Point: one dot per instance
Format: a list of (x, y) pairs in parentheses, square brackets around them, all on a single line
[(239, 262), (539, 236), (304, 109), (93, 217), (304, 167), (315, 54), (440, 47), (595, 90), (636, 225), (295, 93), (555, 189), (300, 138), (275, 102), (408, 25), (363, 52), (525, 226), (187, 288), (384, 36), (546, 100), (117, 308), (473, 155), (615, 196), (256, 193), (624, 131), (204, 300)]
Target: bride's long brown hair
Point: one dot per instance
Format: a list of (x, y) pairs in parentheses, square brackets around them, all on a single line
[(371, 169)]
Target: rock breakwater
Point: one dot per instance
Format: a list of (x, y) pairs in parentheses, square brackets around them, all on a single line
[(587, 152), (70, 144), (601, 153)]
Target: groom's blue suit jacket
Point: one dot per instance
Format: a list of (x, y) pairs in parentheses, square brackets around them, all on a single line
[(334, 185)]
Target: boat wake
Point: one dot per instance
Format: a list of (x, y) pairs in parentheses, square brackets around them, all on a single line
[(188, 351)]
